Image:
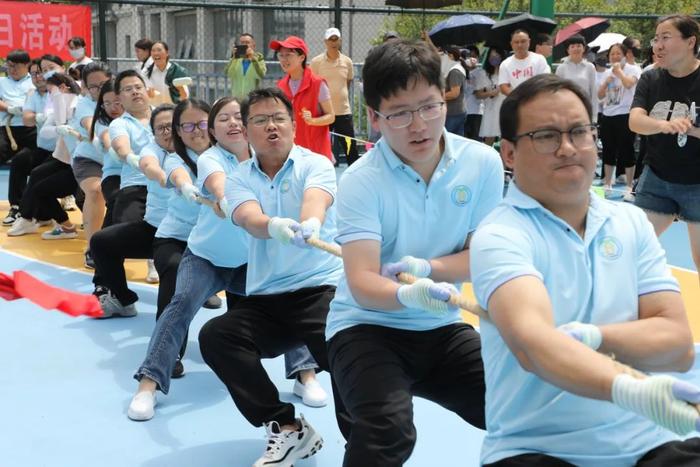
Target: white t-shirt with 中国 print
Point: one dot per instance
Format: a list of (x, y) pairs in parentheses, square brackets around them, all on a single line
[(514, 71)]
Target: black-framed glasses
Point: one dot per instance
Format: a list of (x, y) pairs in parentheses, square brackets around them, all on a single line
[(189, 127), (279, 118), (404, 118), (548, 141), (164, 129)]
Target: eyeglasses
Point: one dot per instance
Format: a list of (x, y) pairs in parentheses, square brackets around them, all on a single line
[(163, 129), (136, 87), (279, 118), (549, 141), (404, 118), (662, 40), (189, 127), (226, 117), (35, 73)]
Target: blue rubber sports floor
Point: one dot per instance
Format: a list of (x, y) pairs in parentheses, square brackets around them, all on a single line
[(66, 382)]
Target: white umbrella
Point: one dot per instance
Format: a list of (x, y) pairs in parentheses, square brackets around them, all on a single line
[(605, 40)]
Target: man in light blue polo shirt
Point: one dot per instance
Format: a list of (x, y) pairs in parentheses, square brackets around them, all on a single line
[(281, 196), (129, 134), (13, 92), (553, 255), (408, 205)]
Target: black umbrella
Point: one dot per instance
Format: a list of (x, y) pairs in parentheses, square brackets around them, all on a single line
[(499, 35), (422, 4), (461, 30)]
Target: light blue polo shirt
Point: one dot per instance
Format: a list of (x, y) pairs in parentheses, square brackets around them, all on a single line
[(110, 166), (157, 198), (36, 102), (215, 239), (597, 279), (381, 198), (139, 136), (182, 214), (272, 266), (14, 93), (85, 108)]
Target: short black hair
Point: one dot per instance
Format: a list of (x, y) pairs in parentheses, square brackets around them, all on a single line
[(509, 117), (686, 25), (261, 94), (126, 74), (158, 110), (575, 39), (246, 34), (524, 31), (52, 58), (58, 79), (94, 67), (144, 44), (541, 38), (76, 41), (19, 56), (395, 65)]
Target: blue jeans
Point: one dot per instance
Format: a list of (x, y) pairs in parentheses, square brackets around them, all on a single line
[(197, 280), (657, 195), (455, 123)]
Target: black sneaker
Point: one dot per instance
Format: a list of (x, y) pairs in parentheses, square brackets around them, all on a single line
[(212, 303), (100, 290), (11, 216), (178, 371), (89, 262)]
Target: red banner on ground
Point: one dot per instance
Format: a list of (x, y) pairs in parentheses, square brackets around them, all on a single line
[(42, 28)]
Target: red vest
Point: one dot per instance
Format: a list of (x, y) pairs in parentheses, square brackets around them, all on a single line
[(315, 138)]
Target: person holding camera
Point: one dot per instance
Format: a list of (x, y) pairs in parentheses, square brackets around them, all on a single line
[(664, 109), (247, 68)]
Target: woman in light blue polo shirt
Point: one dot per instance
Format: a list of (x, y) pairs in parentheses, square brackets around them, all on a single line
[(113, 244)]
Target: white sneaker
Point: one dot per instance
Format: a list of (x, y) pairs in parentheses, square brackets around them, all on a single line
[(44, 223), (22, 226), (60, 233), (285, 447), (311, 393), (152, 275), (68, 203), (111, 306), (142, 406), (628, 196), (621, 179)]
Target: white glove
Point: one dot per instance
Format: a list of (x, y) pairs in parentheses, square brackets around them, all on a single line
[(14, 110), (427, 295), (418, 267), (40, 118), (64, 130), (225, 208), (310, 228), (190, 192), (133, 160), (282, 229), (588, 334), (660, 398)]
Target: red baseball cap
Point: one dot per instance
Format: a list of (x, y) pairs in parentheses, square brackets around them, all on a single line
[(291, 42)]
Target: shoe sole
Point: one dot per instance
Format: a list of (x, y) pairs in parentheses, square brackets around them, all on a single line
[(141, 418), (152, 280), (60, 237), (116, 315)]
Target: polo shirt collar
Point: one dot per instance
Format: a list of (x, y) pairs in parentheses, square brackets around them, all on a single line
[(395, 162), (294, 154)]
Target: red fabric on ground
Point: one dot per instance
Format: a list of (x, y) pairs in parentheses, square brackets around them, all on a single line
[(23, 285)]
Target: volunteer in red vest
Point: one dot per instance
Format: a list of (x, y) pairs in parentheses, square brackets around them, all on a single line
[(310, 96)]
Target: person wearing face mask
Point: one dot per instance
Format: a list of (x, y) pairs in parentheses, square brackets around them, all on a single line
[(13, 92), (76, 48), (487, 89)]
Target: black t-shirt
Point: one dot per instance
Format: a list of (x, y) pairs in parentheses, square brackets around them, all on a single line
[(665, 97)]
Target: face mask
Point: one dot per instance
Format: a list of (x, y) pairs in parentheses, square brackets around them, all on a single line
[(77, 53), (495, 61), (49, 74)]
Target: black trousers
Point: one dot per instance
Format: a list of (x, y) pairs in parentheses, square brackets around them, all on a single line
[(25, 137), (378, 370), (48, 181), (676, 453), (472, 124), (344, 125), (110, 188), (265, 326), (21, 166), (111, 246), (167, 253), (618, 141), (130, 204)]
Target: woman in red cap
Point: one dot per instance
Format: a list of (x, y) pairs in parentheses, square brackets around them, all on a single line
[(311, 99)]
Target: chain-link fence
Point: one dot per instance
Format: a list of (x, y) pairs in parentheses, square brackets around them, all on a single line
[(201, 33)]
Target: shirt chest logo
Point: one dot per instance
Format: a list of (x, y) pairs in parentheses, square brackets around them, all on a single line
[(460, 195), (610, 248), (285, 186)]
